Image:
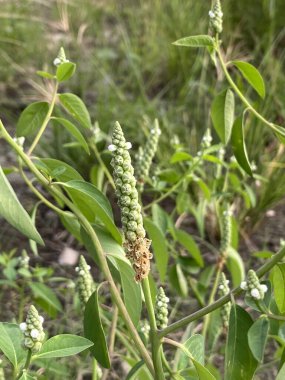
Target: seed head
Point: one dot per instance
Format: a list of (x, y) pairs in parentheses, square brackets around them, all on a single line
[(33, 330), (85, 284)]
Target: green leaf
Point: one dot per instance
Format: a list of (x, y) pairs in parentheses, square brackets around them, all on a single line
[(65, 71), (235, 266), (257, 337), (281, 373), (93, 204), (159, 247), (188, 242), (178, 280), (63, 345), (32, 118), (238, 145), (93, 330), (195, 41), (278, 279), (160, 217), (76, 108), (239, 361), (203, 373), (195, 345), (49, 165), (180, 156), (45, 74), (32, 243), (131, 291), (222, 114), (134, 370), (40, 290), (10, 343), (26, 376), (73, 130), (12, 210), (252, 75)]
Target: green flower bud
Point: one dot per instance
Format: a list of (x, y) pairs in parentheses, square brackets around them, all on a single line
[(136, 246), (144, 329), (226, 231), (225, 309), (216, 18), (85, 284), (61, 58), (24, 260), (33, 330), (161, 309), (253, 287), (146, 156)]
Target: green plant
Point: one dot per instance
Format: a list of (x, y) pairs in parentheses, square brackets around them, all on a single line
[(86, 213)]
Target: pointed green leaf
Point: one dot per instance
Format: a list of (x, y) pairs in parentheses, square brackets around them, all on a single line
[(195, 41), (281, 373), (222, 114), (178, 281), (235, 266), (239, 361), (65, 71), (32, 118), (93, 330), (252, 75), (45, 74), (49, 165), (44, 292), (63, 345), (93, 204), (76, 108), (278, 279), (73, 130), (159, 247), (10, 343), (26, 376), (12, 210), (131, 291), (257, 337), (238, 145), (195, 345), (188, 242)]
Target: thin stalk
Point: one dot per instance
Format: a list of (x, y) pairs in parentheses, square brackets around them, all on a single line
[(223, 300), (46, 120), (239, 93), (101, 162), (27, 364), (155, 341), (94, 369), (92, 234)]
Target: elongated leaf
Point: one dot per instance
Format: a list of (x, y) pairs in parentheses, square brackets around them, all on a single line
[(73, 130), (134, 370), (281, 373), (131, 291), (238, 145), (12, 210), (76, 108), (45, 74), (180, 156), (63, 345), (93, 330), (178, 280), (222, 114), (159, 247), (235, 266), (65, 71), (32, 243), (195, 345), (49, 166), (252, 75), (93, 204), (278, 286), (40, 290), (188, 242), (257, 337), (26, 376), (10, 343), (160, 218), (32, 118), (239, 361), (195, 41)]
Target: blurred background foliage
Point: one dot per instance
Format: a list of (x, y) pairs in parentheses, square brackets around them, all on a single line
[(127, 68)]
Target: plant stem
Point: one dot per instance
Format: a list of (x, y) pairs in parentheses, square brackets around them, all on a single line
[(94, 369), (101, 162), (46, 120), (239, 93), (27, 364), (223, 300), (112, 335), (92, 234), (155, 341)]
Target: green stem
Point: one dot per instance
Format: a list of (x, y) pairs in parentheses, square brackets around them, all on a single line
[(101, 162), (94, 370), (155, 341), (93, 236), (223, 300), (46, 120), (239, 93), (27, 364)]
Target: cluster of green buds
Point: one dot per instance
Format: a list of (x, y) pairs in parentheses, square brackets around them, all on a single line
[(216, 17), (144, 329), (61, 57), (207, 139), (33, 330), (226, 231), (20, 141), (136, 245), (146, 155), (24, 260), (161, 309), (253, 287), (226, 308), (85, 284)]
